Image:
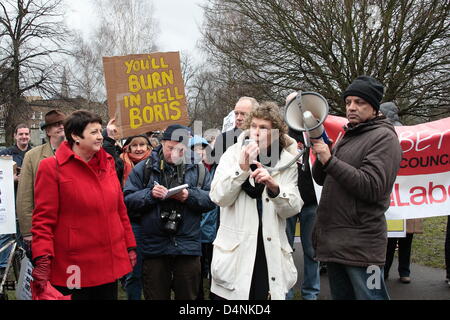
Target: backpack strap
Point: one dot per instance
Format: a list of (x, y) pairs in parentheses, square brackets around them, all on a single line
[(148, 170), (201, 174), (201, 170)]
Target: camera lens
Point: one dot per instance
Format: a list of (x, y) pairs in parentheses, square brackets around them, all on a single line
[(171, 227)]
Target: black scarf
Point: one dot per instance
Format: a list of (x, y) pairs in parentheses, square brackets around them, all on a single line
[(256, 191)]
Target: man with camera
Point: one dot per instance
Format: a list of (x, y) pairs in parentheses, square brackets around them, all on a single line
[(171, 223)]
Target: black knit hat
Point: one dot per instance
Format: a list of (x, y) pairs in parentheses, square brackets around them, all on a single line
[(177, 132), (129, 139), (367, 88)]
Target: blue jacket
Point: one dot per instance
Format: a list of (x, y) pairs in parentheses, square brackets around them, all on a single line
[(208, 224), (16, 154), (138, 198)]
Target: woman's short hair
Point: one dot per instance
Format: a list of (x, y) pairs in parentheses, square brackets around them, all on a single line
[(268, 110), (77, 122)]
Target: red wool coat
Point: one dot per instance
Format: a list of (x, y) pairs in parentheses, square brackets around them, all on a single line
[(80, 219)]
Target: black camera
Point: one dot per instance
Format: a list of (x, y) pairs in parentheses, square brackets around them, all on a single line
[(171, 221)]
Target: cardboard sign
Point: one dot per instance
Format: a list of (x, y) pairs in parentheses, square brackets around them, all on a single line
[(145, 92), (23, 289), (7, 206)]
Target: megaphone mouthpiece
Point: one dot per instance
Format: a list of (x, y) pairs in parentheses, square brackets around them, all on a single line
[(311, 122), (306, 112)]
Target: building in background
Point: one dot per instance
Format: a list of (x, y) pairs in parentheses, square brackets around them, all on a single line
[(38, 107)]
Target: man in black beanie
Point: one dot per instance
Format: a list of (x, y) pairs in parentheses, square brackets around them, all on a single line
[(357, 176)]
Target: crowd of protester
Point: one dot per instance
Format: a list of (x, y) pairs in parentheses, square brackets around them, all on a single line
[(90, 199)]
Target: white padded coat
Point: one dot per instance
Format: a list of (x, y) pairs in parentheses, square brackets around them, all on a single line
[(235, 245)]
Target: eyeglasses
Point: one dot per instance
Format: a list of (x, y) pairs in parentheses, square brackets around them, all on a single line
[(57, 124)]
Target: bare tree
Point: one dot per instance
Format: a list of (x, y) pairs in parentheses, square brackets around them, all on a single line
[(322, 45), (213, 92), (124, 27), (33, 35), (86, 77)]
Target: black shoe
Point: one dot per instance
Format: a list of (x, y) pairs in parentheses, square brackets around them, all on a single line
[(405, 279), (323, 268)]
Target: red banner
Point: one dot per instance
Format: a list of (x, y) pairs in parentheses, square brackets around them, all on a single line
[(422, 185)]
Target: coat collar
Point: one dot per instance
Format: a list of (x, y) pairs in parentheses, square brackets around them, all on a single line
[(379, 121), (65, 153), (47, 150)]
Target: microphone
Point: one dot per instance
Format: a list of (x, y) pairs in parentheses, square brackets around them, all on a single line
[(247, 140), (318, 133)]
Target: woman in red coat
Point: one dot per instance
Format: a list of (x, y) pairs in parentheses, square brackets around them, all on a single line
[(82, 238)]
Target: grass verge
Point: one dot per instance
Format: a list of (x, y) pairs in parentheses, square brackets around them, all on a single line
[(428, 248)]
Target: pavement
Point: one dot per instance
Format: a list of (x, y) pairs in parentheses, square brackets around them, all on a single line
[(426, 283)]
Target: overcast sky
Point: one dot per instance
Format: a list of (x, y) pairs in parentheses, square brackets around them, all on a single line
[(179, 22)]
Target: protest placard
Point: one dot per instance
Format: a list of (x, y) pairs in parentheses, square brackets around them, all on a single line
[(145, 92), (23, 289), (228, 121), (7, 206)]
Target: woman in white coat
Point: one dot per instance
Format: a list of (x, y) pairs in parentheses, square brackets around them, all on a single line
[(252, 258)]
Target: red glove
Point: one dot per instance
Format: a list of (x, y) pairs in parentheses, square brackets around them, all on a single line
[(133, 257), (41, 273)]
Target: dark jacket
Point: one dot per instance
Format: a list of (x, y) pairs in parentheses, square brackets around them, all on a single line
[(138, 198), (357, 183), (208, 224), (305, 181), (223, 142), (16, 154), (109, 145)]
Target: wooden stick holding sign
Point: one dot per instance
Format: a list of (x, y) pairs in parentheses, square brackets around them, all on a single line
[(145, 92)]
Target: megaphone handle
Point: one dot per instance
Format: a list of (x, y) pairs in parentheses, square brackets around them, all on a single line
[(325, 137), (290, 163), (305, 158)]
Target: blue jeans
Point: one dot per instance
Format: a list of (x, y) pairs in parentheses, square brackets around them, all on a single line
[(4, 239), (356, 283), (133, 280), (311, 278)]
